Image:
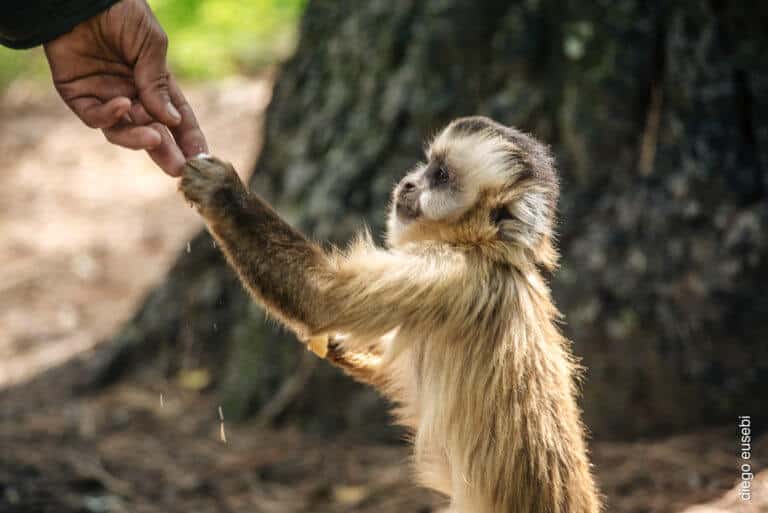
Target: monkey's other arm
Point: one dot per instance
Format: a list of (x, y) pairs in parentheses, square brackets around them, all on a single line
[(366, 291)]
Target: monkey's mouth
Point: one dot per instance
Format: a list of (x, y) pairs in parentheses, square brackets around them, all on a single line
[(407, 209)]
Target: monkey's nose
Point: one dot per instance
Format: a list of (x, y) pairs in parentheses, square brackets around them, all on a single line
[(408, 186)]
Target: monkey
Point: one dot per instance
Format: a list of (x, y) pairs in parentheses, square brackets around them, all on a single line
[(452, 320)]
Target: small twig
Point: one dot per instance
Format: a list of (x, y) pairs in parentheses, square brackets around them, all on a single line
[(222, 433), (289, 390), (651, 132)]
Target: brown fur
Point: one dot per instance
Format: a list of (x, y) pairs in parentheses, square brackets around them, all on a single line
[(454, 323)]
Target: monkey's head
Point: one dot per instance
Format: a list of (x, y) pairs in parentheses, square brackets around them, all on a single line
[(483, 184)]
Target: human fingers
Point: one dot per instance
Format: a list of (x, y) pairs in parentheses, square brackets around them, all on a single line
[(133, 137), (152, 77), (188, 134), (96, 114), (167, 155)]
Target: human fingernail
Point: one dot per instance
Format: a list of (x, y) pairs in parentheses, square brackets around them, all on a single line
[(154, 140), (173, 112)]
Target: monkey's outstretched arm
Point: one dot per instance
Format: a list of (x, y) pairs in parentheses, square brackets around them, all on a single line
[(366, 291), (275, 262)]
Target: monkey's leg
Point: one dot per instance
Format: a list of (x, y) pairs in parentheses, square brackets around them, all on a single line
[(275, 262)]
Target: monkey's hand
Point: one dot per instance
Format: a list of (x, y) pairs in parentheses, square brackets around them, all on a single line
[(210, 184)]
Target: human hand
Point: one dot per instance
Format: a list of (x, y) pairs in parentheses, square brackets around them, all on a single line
[(111, 71)]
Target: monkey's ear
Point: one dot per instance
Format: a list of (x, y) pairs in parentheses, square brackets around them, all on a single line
[(499, 215), (525, 220), (527, 223), (503, 218)]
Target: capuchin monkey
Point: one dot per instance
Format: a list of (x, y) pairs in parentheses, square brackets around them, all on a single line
[(453, 322)]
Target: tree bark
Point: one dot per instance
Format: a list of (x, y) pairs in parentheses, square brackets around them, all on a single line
[(657, 114)]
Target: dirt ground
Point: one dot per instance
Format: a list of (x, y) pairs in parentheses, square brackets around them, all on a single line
[(86, 229)]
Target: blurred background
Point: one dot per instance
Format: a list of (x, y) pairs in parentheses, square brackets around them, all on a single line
[(123, 333)]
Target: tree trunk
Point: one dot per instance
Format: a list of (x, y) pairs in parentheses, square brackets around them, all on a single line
[(658, 117)]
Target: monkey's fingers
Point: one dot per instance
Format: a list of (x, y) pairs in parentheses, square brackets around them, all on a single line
[(318, 345), (203, 176)]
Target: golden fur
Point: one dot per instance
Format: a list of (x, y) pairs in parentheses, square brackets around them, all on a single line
[(454, 322)]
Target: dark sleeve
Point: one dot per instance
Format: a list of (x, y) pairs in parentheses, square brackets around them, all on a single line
[(28, 23)]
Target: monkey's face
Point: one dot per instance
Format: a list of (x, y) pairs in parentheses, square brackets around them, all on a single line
[(432, 192), (481, 178), (459, 166)]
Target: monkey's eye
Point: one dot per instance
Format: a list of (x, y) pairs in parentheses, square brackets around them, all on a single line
[(440, 176)]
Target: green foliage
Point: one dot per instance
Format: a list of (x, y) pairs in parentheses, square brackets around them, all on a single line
[(211, 38), (29, 64), (208, 38)]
